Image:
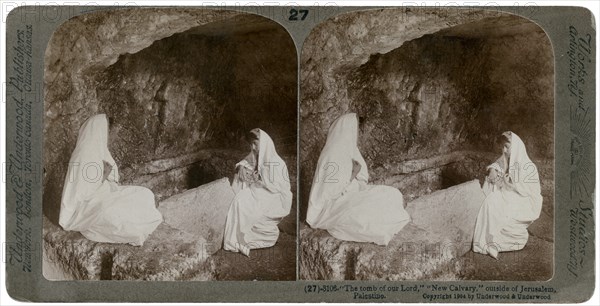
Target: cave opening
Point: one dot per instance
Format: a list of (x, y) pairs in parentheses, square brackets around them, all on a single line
[(179, 102), (181, 87), (434, 90), (434, 101)]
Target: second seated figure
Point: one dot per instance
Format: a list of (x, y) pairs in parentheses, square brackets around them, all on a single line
[(513, 200), (341, 200), (263, 197)]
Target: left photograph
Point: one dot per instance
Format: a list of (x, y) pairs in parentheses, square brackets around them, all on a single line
[(170, 141)]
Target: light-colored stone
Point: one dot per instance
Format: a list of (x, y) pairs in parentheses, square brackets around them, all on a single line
[(166, 164), (168, 254), (450, 213), (419, 177), (201, 211)]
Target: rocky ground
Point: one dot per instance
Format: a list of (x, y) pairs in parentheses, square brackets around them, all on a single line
[(436, 245), (277, 263)]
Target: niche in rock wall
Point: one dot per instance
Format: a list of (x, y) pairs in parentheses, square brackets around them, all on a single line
[(434, 91), (180, 87)]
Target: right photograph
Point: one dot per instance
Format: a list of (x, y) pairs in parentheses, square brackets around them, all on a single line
[(426, 147)]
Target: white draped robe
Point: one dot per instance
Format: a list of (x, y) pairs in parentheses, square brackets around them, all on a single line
[(257, 209), (101, 209), (506, 213), (352, 210)]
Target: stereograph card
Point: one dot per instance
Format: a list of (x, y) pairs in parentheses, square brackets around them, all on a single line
[(300, 154)]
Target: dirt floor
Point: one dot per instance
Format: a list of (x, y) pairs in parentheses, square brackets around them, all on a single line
[(277, 263), (534, 262)]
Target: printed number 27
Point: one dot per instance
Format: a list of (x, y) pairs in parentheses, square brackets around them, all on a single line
[(294, 14)]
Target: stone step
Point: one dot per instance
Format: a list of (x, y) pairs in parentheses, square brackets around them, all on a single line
[(167, 254)]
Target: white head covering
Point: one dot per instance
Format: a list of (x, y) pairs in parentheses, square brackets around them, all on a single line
[(524, 174), (274, 172), (334, 168), (86, 167)]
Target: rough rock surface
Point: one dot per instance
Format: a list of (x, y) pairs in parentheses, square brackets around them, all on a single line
[(201, 212), (543, 228), (413, 254), (430, 84), (427, 248), (167, 254), (179, 84), (419, 177), (171, 176)]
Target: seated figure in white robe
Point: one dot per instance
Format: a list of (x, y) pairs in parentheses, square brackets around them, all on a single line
[(263, 197), (513, 200), (341, 200), (93, 203)]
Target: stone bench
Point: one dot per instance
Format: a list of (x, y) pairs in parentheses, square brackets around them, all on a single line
[(177, 250), (201, 212), (440, 232)]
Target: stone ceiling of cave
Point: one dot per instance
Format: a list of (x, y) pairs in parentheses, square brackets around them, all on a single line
[(492, 27), (240, 24)]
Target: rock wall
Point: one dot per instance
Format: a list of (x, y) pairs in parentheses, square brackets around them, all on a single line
[(193, 89), (518, 93), (433, 86), (181, 86)]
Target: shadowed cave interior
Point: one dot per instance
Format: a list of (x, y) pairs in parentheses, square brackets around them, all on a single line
[(181, 87), (434, 98)]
